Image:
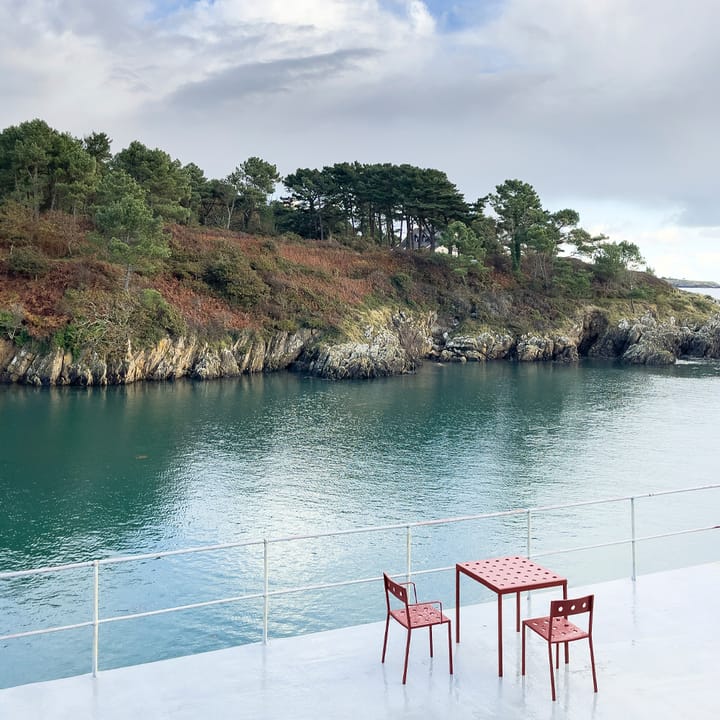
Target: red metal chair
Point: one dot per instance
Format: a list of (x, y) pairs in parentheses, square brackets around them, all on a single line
[(557, 629), (413, 615)]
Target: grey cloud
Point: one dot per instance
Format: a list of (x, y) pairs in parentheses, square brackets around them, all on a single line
[(235, 84), (600, 114)]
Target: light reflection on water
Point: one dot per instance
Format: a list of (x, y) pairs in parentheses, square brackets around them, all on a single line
[(88, 473)]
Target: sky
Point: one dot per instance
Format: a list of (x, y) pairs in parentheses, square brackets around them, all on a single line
[(609, 107)]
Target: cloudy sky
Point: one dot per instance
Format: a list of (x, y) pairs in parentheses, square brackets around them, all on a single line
[(610, 107)]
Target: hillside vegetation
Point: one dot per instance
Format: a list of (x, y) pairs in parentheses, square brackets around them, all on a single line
[(100, 250), (61, 289)]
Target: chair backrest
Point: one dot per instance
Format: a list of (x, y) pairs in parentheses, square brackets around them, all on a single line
[(395, 589), (573, 606)]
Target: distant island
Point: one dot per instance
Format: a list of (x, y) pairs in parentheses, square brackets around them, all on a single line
[(682, 283)]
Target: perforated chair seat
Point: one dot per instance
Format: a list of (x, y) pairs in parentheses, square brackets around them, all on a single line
[(421, 615), (412, 616), (562, 629), (557, 630)]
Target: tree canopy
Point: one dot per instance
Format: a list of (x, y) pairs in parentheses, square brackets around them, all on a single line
[(130, 194)]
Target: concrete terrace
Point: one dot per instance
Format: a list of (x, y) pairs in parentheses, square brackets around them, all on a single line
[(656, 646)]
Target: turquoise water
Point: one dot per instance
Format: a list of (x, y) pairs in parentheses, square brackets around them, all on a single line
[(103, 472)]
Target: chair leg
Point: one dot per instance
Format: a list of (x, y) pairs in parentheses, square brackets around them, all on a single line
[(557, 656), (523, 649), (407, 655), (592, 664), (430, 627), (552, 674), (387, 626), (450, 646)]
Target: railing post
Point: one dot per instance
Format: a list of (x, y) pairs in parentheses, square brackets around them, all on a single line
[(528, 533), (632, 531), (409, 552), (266, 586), (96, 616)]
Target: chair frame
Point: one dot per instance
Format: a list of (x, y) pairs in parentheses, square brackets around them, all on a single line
[(556, 629), (413, 615)]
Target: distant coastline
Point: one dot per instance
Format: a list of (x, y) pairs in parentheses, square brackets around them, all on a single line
[(682, 283)]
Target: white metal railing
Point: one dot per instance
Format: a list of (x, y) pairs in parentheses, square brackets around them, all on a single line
[(266, 594)]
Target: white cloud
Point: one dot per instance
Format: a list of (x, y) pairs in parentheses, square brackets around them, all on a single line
[(609, 103)]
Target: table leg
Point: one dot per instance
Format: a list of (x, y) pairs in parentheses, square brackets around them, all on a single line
[(517, 612), (500, 647), (567, 645), (457, 605)]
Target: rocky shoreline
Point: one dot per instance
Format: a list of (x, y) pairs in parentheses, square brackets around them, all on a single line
[(390, 343)]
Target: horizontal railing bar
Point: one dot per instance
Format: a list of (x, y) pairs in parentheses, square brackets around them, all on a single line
[(344, 583), (611, 543), (353, 531), (183, 551), (579, 548), (580, 503), (44, 570), (485, 516), (45, 631), (324, 586), (178, 608), (398, 526)]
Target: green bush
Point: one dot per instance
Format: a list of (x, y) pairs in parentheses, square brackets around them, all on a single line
[(11, 325), (72, 338), (230, 275), (154, 318), (402, 282), (26, 261), (642, 292), (572, 281)]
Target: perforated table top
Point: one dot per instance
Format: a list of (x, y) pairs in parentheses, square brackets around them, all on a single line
[(510, 574)]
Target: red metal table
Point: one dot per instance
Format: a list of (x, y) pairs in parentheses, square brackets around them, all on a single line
[(505, 575)]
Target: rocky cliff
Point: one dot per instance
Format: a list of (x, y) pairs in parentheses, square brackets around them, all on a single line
[(169, 359), (375, 344)]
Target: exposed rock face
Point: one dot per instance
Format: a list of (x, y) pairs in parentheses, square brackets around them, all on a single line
[(169, 359), (502, 346), (393, 347), (485, 346), (705, 341), (645, 341), (384, 343)]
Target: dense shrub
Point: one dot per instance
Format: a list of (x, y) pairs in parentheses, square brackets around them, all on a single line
[(153, 318), (231, 276), (26, 261), (11, 324)]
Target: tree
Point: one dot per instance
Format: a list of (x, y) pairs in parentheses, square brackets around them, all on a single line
[(485, 228), (24, 163), (166, 184), (466, 242), (312, 190), (126, 221), (73, 176), (254, 180), (198, 187), (344, 177), (612, 259), (97, 145), (518, 208), (44, 169), (436, 202)]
